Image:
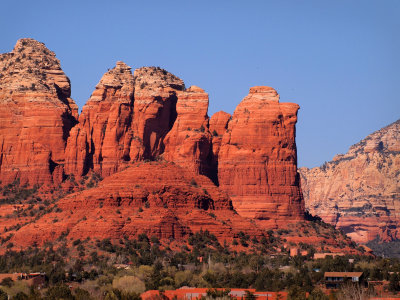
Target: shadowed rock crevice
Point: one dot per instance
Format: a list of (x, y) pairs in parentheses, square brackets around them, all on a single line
[(155, 129), (69, 121), (150, 115), (218, 126)]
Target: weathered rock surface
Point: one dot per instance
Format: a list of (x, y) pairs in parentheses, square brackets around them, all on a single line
[(125, 120), (103, 137), (36, 115), (173, 204), (359, 192), (189, 142), (131, 118), (218, 126), (257, 160), (155, 107)]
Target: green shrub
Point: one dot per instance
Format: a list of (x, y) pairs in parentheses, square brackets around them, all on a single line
[(7, 282), (59, 292), (3, 295), (193, 182), (81, 294)]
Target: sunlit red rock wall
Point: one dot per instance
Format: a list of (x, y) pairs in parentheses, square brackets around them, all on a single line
[(147, 115), (257, 160), (36, 115)]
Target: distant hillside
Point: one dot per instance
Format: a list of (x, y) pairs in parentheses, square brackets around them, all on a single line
[(359, 192)]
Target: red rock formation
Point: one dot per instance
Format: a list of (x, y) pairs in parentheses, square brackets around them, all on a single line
[(173, 204), (103, 137), (148, 115), (189, 142), (36, 114), (257, 159), (125, 120), (155, 107), (218, 126), (358, 192)]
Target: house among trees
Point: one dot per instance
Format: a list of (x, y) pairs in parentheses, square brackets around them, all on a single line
[(333, 280), (31, 278)]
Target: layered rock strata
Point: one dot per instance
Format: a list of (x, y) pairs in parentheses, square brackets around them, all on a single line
[(103, 136), (189, 141), (125, 120), (218, 126), (172, 205), (359, 192), (154, 107), (257, 160), (146, 116), (36, 115)]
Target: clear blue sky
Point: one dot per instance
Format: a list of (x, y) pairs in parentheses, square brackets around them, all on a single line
[(340, 60)]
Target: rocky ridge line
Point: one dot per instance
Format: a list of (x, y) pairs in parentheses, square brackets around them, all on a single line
[(359, 192)]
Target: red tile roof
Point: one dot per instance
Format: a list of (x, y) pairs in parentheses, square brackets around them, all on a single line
[(197, 293)]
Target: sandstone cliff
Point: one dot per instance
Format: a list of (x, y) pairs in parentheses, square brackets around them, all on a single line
[(257, 160), (189, 141), (359, 192), (36, 115), (172, 205), (146, 116), (125, 120), (218, 126), (155, 107)]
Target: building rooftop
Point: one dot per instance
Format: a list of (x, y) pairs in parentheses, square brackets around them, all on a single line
[(343, 274)]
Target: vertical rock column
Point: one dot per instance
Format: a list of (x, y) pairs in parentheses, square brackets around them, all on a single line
[(125, 120), (218, 126), (257, 160), (188, 144), (155, 107), (36, 115), (101, 141)]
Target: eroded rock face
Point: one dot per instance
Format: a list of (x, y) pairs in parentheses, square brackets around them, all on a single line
[(358, 192), (36, 115), (102, 139), (125, 120), (218, 126), (257, 160), (189, 142), (148, 115), (155, 107), (173, 204)]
